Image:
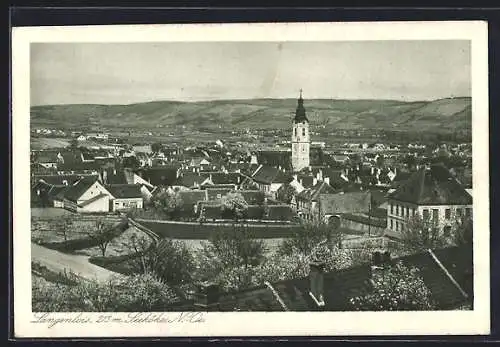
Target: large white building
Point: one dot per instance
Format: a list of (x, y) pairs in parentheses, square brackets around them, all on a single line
[(301, 141), (432, 193)]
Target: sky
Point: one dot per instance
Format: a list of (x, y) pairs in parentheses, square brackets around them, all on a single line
[(124, 73)]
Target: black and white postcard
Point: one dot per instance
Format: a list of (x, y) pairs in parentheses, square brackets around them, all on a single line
[(251, 180)]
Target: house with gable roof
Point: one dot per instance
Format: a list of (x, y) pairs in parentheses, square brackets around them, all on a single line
[(431, 192), (270, 179), (87, 195)]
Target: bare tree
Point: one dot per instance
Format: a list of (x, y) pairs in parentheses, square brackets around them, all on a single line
[(102, 234), (64, 226)]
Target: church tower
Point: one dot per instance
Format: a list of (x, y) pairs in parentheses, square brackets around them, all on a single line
[(300, 137)]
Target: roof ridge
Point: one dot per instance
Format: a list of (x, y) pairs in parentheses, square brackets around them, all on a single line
[(447, 273), (276, 295)]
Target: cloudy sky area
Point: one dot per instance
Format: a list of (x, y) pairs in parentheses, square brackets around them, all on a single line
[(123, 73)]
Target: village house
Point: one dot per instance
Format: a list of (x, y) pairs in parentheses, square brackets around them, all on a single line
[(306, 202), (269, 179), (432, 193), (89, 195), (126, 196)]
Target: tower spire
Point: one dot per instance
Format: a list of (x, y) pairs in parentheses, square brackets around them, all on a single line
[(300, 112)]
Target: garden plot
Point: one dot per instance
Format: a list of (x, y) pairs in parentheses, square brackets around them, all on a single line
[(62, 229), (120, 245)]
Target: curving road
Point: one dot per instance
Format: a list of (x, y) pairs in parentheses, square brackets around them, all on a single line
[(79, 264)]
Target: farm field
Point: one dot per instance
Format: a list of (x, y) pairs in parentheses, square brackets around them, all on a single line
[(48, 142)]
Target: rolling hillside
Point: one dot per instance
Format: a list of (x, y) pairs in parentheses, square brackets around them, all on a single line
[(445, 114)]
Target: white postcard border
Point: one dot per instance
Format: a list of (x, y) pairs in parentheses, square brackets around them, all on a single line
[(256, 324)]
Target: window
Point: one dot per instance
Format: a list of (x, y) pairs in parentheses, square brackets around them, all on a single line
[(407, 212), (392, 211), (459, 212), (425, 213), (303, 131), (294, 131), (447, 213), (397, 210), (392, 224), (435, 214)]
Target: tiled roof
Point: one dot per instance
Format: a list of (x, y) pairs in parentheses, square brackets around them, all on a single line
[(76, 190), (458, 262), (275, 158), (59, 179), (313, 193), (57, 192), (115, 176), (226, 178), (124, 191), (345, 203), (268, 174), (316, 156), (93, 199), (432, 186), (159, 175), (191, 179), (340, 286)]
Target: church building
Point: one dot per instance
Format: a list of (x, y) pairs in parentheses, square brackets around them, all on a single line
[(301, 142)]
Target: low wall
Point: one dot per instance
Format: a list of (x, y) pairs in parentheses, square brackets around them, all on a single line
[(203, 231), (362, 227)]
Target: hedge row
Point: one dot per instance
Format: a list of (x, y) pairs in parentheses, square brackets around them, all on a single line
[(87, 242)]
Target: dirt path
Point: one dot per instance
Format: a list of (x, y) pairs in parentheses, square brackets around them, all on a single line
[(79, 264)]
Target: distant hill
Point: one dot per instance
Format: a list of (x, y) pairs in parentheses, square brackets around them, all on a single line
[(445, 114)]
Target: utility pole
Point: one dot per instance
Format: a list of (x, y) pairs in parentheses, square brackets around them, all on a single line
[(370, 214)]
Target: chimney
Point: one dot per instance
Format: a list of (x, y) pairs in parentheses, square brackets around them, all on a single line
[(327, 180), (206, 298), (316, 276)]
